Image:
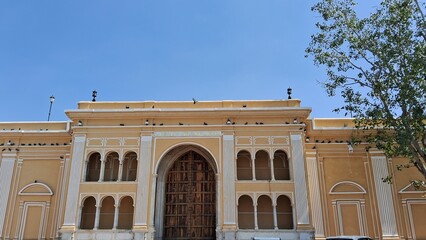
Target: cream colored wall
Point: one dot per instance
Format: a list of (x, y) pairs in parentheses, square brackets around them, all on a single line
[(347, 188), (35, 200)]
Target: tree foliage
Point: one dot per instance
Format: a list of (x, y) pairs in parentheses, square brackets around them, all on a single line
[(378, 65)]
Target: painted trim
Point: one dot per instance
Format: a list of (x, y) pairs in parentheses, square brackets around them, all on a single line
[(362, 189), (403, 190), (48, 192)]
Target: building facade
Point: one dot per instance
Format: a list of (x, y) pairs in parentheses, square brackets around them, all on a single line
[(200, 170)]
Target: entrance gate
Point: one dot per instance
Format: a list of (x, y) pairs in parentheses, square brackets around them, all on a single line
[(190, 211)]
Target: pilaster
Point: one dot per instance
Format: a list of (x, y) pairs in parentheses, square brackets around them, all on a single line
[(229, 204), (143, 179), (71, 206), (300, 187), (7, 164), (384, 197), (314, 196)]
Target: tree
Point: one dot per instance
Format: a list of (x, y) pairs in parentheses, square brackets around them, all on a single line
[(378, 63)]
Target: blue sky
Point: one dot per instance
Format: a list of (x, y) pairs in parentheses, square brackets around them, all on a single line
[(155, 50)]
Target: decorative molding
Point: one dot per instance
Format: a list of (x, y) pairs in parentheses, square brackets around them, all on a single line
[(188, 134), (360, 206), (349, 183), (409, 189), (240, 140), (280, 140), (43, 218), (408, 212), (26, 191), (113, 142), (261, 140)]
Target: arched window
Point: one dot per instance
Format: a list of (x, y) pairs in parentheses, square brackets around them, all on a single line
[(88, 213), (245, 213), (125, 216), (111, 167), (265, 213), (244, 170), (93, 167), (284, 213), (262, 166), (106, 217), (281, 167), (130, 165)]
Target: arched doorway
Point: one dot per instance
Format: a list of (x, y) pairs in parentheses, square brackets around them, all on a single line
[(186, 195)]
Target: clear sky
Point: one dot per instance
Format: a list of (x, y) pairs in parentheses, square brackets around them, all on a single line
[(155, 50)]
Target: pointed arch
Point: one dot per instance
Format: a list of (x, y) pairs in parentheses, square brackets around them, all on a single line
[(281, 165), (93, 167), (88, 213), (245, 212), (125, 214), (106, 216), (162, 169), (265, 212), (244, 165), (284, 212), (111, 167), (262, 165), (130, 166)]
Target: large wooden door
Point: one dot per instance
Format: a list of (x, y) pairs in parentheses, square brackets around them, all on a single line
[(190, 211)]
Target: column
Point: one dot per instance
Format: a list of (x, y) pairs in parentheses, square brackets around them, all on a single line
[(271, 161), (116, 212), (7, 164), (384, 197), (275, 216), (71, 206), (120, 171), (256, 226), (143, 179), (98, 210), (102, 172), (302, 208), (253, 169)]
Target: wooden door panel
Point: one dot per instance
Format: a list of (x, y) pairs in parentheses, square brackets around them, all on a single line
[(190, 211)]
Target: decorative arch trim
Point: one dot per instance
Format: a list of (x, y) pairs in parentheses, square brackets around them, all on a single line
[(38, 189), (182, 148), (358, 188)]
